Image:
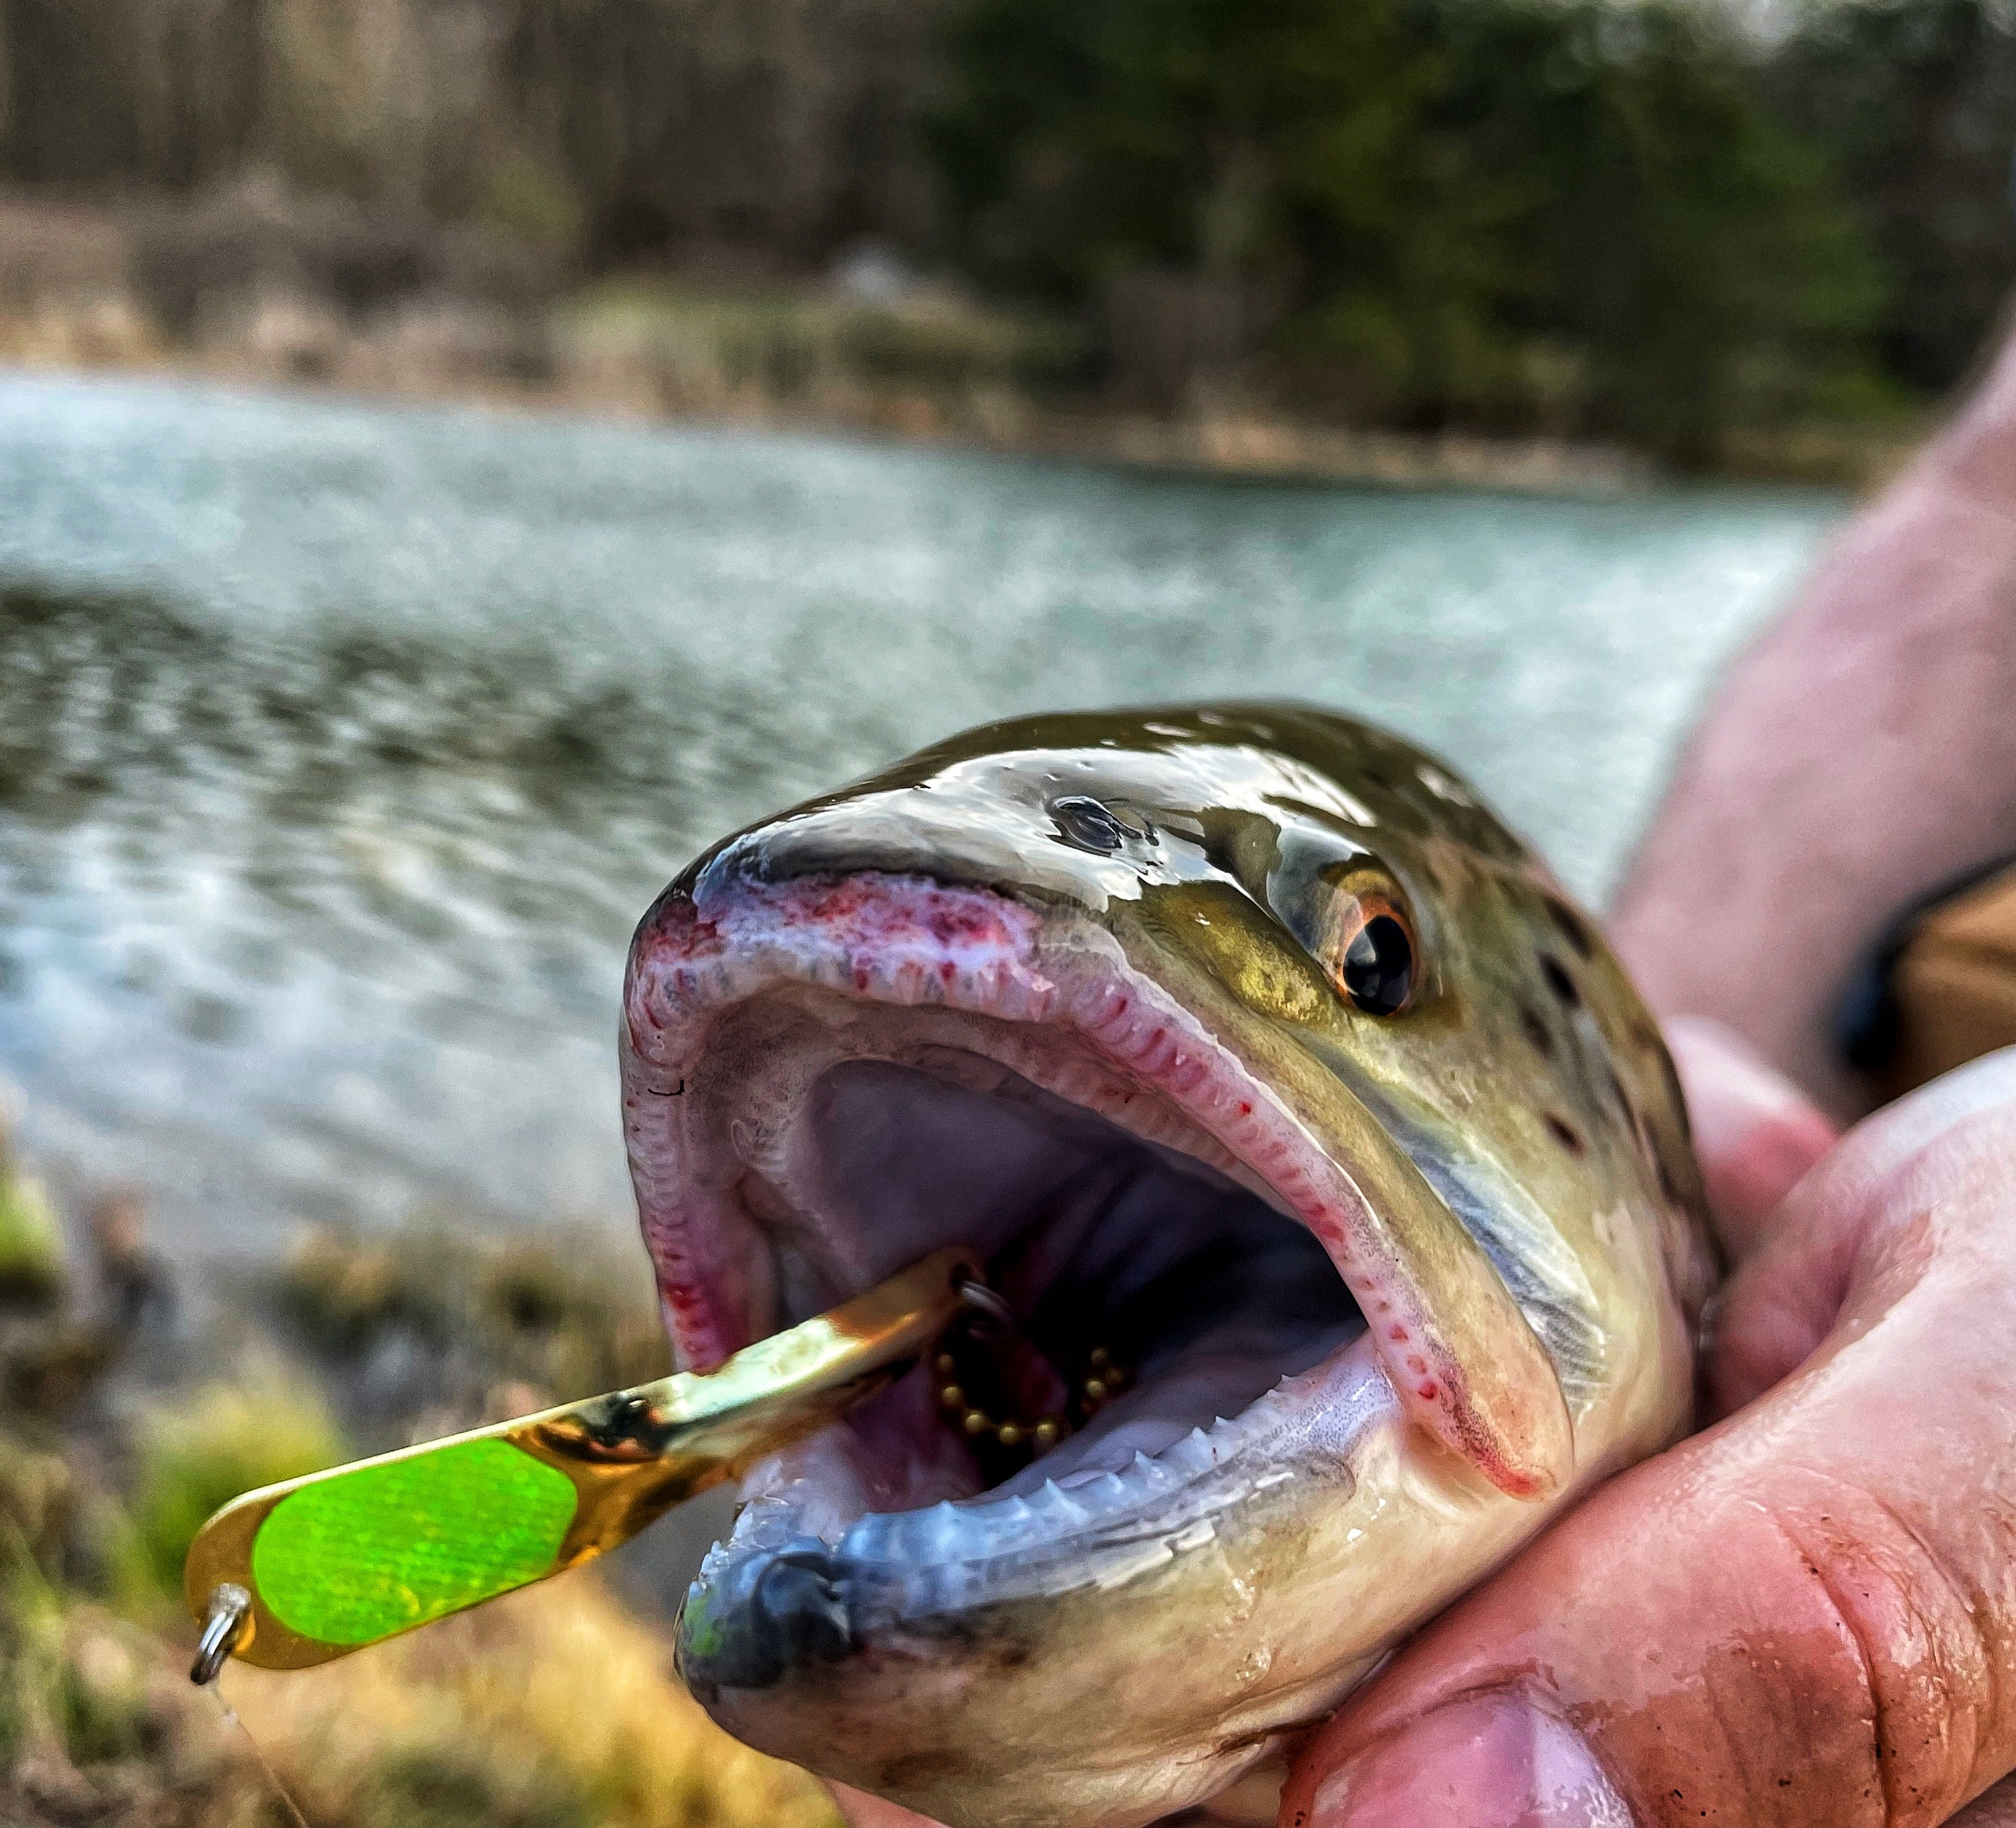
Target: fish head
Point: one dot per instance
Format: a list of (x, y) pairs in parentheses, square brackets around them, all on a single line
[(1337, 1179)]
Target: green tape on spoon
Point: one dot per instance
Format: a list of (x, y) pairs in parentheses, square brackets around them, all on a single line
[(297, 1573)]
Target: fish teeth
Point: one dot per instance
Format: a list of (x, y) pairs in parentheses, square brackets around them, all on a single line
[(1194, 1453), (1227, 1433), (945, 1530), (1060, 1503), (1163, 1472), (960, 1541), (998, 1526)]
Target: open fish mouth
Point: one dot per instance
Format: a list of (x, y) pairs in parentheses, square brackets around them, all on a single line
[(828, 1077), (834, 1077)]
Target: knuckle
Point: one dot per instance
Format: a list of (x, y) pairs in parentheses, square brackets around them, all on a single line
[(1919, 1637)]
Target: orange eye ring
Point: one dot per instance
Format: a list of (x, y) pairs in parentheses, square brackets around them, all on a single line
[(1371, 951)]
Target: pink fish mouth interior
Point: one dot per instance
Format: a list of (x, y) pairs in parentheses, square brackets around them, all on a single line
[(827, 1079)]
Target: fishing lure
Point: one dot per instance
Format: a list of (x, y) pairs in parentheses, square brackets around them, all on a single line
[(309, 1570)]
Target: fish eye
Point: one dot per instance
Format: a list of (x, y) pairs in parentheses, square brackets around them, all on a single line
[(1371, 952), (1352, 918)]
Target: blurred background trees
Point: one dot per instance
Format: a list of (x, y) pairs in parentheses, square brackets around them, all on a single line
[(1914, 104), (1650, 220), (1525, 213)]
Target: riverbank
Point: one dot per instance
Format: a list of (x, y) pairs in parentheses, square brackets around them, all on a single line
[(138, 1398), (869, 349)]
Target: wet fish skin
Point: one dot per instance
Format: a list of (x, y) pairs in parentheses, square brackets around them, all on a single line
[(1513, 1203)]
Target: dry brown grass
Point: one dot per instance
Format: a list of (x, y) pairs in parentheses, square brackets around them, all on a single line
[(552, 1708)]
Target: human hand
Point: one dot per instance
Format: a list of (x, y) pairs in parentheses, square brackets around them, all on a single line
[(1804, 1617)]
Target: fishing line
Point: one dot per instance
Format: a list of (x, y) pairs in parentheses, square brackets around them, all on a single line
[(230, 1606), (280, 1790)]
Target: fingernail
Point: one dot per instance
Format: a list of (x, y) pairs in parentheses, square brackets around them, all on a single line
[(1491, 1762)]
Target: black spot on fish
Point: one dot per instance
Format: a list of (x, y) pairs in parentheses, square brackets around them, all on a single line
[(1559, 981), (912, 1770), (1537, 1031), (1574, 928), (1565, 1133)]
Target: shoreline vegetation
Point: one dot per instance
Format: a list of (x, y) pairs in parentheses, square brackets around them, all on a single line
[(882, 356), (1555, 244), (127, 1419)]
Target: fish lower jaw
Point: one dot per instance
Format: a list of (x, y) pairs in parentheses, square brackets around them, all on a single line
[(988, 1626), (1097, 1520)]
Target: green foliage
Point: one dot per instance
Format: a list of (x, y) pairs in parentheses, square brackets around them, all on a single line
[(1532, 214), (534, 204), (72, 1681), (31, 1266), (1914, 101), (101, 1700), (1691, 252), (529, 1320), (31, 1662), (223, 1441), (794, 340)]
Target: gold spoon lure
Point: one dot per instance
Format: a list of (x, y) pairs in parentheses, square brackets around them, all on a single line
[(299, 1573)]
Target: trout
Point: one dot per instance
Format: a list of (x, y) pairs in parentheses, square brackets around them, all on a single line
[(1336, 1194)]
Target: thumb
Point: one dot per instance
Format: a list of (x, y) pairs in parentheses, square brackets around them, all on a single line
[(1804, 1617), (858, 1809)]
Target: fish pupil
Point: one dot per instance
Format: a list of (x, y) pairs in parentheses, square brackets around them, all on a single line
[(1379, 965)]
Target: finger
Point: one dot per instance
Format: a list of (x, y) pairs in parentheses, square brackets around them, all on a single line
[(1804, 1617), (1754, 1132), (858, 1809), (1776, 1312)]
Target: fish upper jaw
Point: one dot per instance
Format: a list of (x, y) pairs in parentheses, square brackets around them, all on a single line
[(1050, 995)]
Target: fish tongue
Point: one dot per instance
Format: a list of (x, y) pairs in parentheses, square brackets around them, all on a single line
[(818, 1478), (893, 1453)]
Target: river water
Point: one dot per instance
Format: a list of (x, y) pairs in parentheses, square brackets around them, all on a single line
[(341, 745)]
